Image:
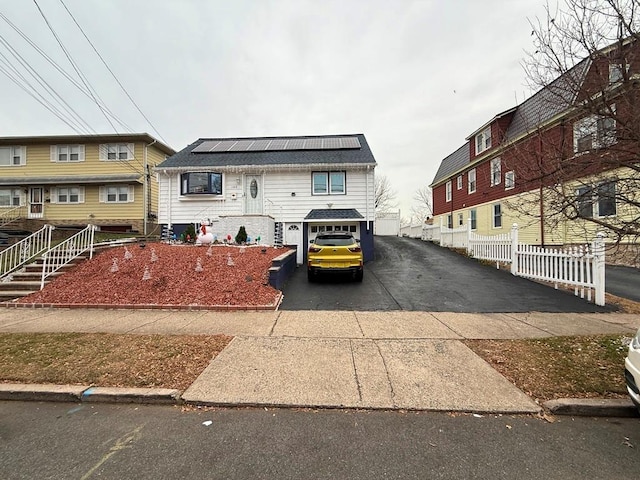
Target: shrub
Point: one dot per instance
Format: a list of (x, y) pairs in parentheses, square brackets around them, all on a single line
[(241, 237)]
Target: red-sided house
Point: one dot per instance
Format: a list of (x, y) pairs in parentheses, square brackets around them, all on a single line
[(563, 164)]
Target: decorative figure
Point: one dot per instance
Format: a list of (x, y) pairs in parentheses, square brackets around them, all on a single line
[(205, 236), (147, 273), (127, 254), (199, 265), (210, 251), (230, 260), (114, 266), (242, 249), (154, 257)]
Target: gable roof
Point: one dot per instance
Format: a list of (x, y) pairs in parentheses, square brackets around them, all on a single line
[(301, 151), (451, 164), (334, 214), (549, 102)]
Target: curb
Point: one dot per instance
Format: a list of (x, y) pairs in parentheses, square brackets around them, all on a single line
[(592, 407), (85, 393)]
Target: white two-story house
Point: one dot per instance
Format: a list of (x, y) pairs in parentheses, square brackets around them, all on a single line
[(281, 189)]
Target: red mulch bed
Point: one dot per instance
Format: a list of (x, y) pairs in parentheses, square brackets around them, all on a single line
[(173, 277)]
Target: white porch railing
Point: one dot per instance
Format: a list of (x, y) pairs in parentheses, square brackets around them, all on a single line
[(579, 267), (65, 252), (20, 253)]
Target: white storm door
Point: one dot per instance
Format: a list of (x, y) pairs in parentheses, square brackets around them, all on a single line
[(293, 236), (253, 195), (36, 202)]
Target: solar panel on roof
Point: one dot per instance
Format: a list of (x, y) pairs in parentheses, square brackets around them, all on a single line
[(223, 146), (331, 143), (277, 144), (259, 145), (241, 146), (295, 144), (206, 146), (350, 142)]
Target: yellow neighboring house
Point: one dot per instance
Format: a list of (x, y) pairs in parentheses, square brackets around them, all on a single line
[(73, 180)]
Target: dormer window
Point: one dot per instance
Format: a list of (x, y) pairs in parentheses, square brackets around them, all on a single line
[(616, 72), (483, 140)]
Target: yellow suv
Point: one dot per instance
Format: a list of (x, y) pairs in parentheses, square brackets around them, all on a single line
[(335, 252)]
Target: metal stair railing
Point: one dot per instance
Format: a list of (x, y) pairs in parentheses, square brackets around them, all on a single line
[(20, 253), (11, 215), (64, 253)]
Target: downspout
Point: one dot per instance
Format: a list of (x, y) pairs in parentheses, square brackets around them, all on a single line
[(169, 189), (542, 240), (146, 197), (367, 196)]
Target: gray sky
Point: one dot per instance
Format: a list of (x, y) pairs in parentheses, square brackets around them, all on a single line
[(416, 77)]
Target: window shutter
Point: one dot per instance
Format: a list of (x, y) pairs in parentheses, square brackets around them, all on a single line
[(130, 151), (81, 153), (54, 153), (130, 197), (80, 194), (103, 151), (53, 195), (102, 195)]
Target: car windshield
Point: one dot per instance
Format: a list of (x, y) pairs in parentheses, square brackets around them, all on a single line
[(334, 240)]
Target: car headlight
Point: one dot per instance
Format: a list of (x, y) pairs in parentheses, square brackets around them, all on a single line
[(635, 341)]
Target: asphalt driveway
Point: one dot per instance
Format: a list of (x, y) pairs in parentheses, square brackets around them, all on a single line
[(409, 274)]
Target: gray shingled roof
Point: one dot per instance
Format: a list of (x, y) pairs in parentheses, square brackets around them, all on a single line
[(451, 164), (185, 158), (334, 214), (552, 100)]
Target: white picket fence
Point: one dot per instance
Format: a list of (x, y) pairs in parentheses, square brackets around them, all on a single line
[(579, 267)]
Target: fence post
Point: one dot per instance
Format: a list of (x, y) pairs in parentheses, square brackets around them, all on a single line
[(514, 249), (598, 268), (469, 249)]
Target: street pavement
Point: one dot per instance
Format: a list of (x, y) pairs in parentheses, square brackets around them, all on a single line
[(347, 359)]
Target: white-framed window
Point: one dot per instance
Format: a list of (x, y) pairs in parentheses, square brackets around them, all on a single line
[(116, 151), (116, 194), (509, 180), (473, 215), (459, 182), (497, 215), (10, 197), (201, 183), (483, 140), (12, 156), (496, 171), (67, 194), (448, 191), (471, 180), (616, 72), (596, 201), (594, 131), (450, 221), (67, 153), (328, 183), (460, 219)]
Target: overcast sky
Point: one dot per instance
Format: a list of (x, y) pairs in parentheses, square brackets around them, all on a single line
[(416, 77)]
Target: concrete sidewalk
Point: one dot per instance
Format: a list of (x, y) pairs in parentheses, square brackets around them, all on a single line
[(390, 360)]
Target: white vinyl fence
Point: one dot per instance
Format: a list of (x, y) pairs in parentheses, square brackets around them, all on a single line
[(579, 267)]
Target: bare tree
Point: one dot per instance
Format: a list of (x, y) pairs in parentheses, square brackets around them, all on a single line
[(384, 195), (422, 209), (583, 159)]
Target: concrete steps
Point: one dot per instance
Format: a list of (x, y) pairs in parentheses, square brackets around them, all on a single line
[(27, 280)]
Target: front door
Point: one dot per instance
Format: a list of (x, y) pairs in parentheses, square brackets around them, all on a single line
[(253, 195), (293, 236), (36, 202)]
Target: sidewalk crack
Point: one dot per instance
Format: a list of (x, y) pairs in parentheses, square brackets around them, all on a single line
[(355, 371), (386, 371), (273, 327)]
